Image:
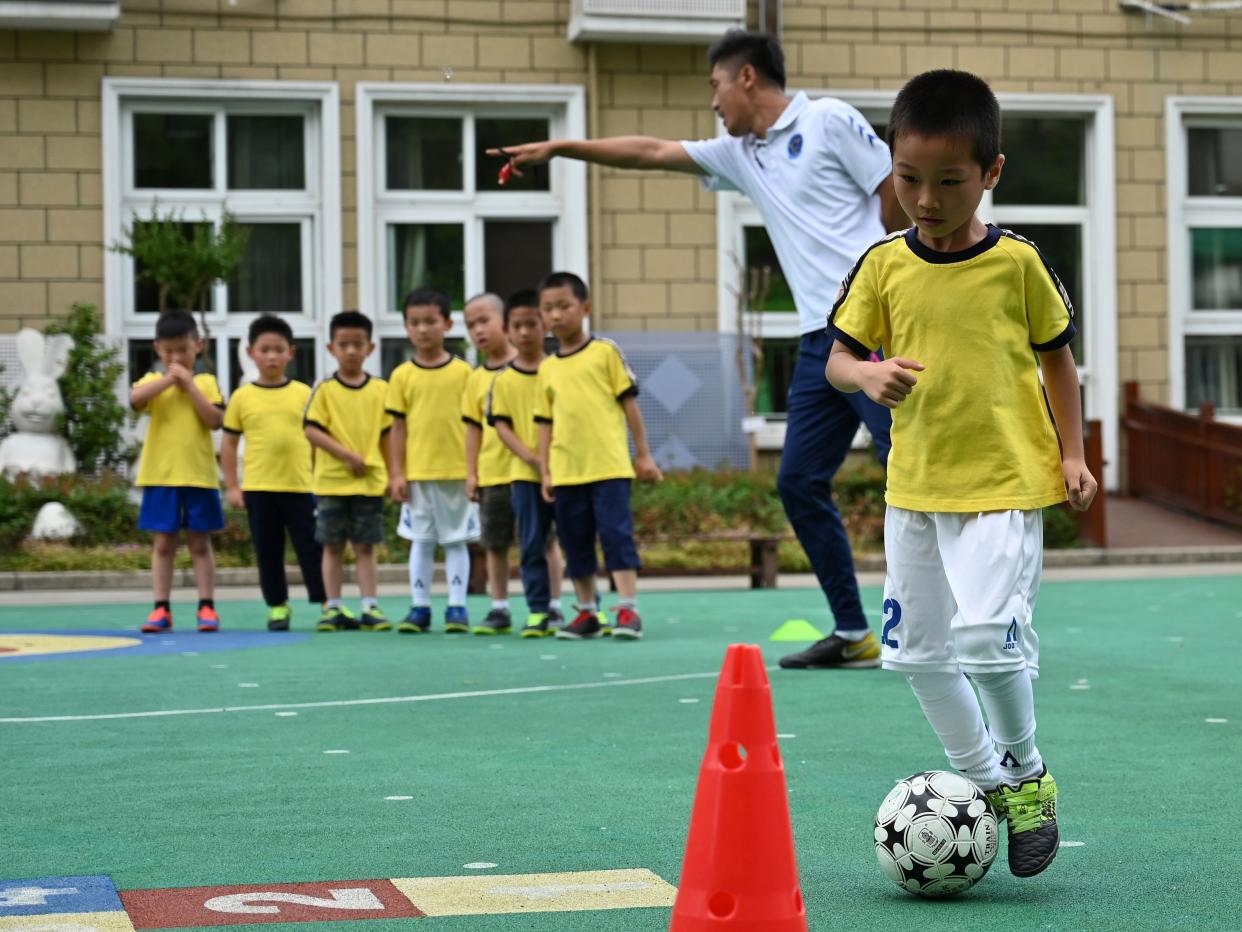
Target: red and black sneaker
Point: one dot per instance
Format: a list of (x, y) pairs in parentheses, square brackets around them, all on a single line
[(159, 621), (208, 620), (629, 626), (585, 625)]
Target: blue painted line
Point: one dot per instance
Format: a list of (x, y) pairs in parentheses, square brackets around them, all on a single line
[(43, 895), (159, 644)]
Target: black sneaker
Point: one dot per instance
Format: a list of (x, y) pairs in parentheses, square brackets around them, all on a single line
[(497, 621), (556, 620), (416, 621), (1031, 811), (836, 652), (585, 625)]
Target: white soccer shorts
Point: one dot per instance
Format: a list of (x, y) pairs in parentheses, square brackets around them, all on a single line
[(961, 590), (438, 511)]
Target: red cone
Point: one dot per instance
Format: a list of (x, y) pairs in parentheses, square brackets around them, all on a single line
[(740, 872)]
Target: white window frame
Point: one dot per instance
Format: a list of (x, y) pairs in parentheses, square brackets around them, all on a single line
[(564, 106), (1098, 218), (1185, 212), (316, 208)]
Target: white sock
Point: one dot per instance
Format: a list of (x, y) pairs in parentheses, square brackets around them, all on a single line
[(854, 635), (954, 714), (422, 569), (369, 602), (500, 604), (457, 569), (554, 603), (1009, 700)]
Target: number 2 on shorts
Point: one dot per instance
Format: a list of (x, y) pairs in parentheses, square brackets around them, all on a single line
[(892, 618)]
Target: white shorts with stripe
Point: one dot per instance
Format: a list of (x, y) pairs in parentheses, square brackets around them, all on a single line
[(439, 512), (961, 590)]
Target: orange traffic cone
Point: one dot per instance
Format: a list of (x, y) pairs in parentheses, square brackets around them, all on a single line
[(740, 872)]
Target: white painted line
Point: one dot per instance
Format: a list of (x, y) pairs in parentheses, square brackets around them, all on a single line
[(496, 646), (479, 866), (1072, 844), (1073, 630), (547, 656), (189, 653), (687, 701), (1083, 680), (1080, 686), (732, 628), (219, 666), (398, 798), (285, 714), (385, 700), (336, 751), (247, 685), (786, 736), (613, 676), (167, 643), (1216, 721), (1176, 639)]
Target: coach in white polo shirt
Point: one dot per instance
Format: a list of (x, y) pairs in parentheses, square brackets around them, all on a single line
[(822, 181)]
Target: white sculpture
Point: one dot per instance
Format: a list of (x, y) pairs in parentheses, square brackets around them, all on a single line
[(36, 448), (54, 522)]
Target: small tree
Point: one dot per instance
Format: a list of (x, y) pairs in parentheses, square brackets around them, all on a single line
[(6, 403), (94, 418)]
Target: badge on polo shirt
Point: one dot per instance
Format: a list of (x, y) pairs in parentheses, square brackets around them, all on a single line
[(795, 146)]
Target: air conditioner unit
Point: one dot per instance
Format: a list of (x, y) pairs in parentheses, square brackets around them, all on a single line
[(60, 15), (684, 21)]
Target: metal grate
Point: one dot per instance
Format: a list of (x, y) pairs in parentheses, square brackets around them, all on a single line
[(11, 376), (668, 9)]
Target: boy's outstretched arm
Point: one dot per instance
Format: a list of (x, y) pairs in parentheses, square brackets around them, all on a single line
[(398, 491), (888, 382), (644, 464), (1061, 384), (320, 438), (508, 436), (228, 466), (643, 152)]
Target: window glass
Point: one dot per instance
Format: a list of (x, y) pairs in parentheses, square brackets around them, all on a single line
[(1214, 372), (269, 278), (396, 350), (495, 133), (1061, 247), (1045, 161), (779, 356), (266, 152), (426, 255), (423, 153), (172, 150), (516, 254), (1214, 161), (1216, 268), (142, 358), (766, 287)]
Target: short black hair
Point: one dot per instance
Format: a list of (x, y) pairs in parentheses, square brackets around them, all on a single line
[(269, 323), (949, 103), (761, 51), (565, 280), (349, 320), (421, 296), (173, 325), (527, 297)]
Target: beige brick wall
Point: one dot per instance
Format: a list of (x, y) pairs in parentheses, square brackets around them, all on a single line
[(658, 233)]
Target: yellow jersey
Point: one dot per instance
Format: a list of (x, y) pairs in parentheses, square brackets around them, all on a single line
[(580, 395), (976, 433), (278, 456), (495, 460), (177, 450), (512, 400), (355, 417), (429, 399)]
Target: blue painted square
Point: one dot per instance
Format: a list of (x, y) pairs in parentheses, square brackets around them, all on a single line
[(42, 895)]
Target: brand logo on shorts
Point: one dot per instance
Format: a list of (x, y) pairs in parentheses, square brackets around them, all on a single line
[(795, 146), (1011, 636)]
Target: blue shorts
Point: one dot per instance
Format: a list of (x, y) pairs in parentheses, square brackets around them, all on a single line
[(166, 509), (596, 508)]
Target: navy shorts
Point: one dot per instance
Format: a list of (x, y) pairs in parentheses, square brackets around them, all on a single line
[(167, 509), (603, 508)]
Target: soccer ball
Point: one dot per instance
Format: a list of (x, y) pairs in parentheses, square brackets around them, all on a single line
[(935, 834)]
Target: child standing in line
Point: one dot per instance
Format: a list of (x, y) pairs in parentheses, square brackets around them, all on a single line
[(511, 410), (488, 461), (586, 396), (178, 477), (276, 485), (967, 315), (345, 419), (427, 460)]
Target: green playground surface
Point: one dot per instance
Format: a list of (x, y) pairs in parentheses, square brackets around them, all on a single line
[(597, 770)]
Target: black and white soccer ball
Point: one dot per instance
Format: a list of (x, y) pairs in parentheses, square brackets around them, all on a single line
[(935, 834)]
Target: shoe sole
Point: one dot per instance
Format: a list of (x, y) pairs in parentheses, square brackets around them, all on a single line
[(570, 636), (622, 634), (213, 629), (456, 629), (277, 627), (413, 630), (487, 632), (535, 633), (1044, 864), (847, 665), (146, 630), (384, 627)]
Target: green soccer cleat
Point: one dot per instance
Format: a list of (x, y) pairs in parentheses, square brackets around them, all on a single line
[(375, 620), (278, 617), (337, 619), (1031, 811)]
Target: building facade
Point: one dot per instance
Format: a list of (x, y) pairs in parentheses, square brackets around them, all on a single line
[(348, 137)]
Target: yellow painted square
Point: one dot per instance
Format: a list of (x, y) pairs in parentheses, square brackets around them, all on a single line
[(487, 894), (68, 922)]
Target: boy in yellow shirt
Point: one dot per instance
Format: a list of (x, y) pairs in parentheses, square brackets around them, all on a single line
[(345, 419), (276, 486), (511, 410), (586, 396), (427, 461), (178, 477)]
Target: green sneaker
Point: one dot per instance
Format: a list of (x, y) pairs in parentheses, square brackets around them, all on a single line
[(537, 626), (375, 620), (337, 619), (278, 617), (1031, 811)]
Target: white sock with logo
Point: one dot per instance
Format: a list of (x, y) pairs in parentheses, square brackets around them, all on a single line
[(1009, 699), (954, 714), (422, 569), (457, 569)]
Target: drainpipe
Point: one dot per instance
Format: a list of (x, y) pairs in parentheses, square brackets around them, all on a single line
[(595, 216)]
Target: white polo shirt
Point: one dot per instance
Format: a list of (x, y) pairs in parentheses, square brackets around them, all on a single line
[(813, 178)]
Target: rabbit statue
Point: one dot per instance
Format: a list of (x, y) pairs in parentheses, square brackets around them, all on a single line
[(36, 448)]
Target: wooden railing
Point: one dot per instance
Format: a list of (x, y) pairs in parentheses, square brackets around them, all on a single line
[(1186, 461), (1091, 523)]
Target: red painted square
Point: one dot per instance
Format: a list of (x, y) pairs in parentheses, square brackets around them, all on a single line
[(277, 902)]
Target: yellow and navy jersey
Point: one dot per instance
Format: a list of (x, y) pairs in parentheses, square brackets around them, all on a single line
[(429, 399), (495, 460), (580, 394), (512, 400), (277, 457), (354, 416), (177, 450), (976, 434)]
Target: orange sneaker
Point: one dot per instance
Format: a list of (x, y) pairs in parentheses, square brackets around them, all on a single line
[(159, 621), (208, 620)]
